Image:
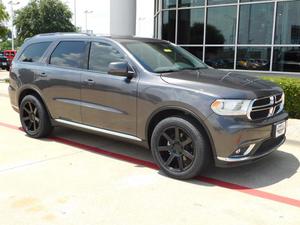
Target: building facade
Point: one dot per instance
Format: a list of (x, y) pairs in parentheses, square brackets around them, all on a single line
[(250, 35)]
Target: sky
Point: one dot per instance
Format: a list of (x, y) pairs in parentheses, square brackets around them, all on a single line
[(99, 20)]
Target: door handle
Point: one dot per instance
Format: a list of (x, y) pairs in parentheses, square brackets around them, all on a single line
[(90, 82), (43, 74)]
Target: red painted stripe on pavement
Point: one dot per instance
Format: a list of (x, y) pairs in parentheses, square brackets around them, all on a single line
[(220, 183)]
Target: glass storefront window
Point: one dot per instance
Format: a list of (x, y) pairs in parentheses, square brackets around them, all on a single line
[(221, 22), (196, 51), (166, 4), (190, 26), (220, 57), (256, 23), (190, 3), (288, 23), (253, 58), (286, 59), (216, 2), (168, 25)]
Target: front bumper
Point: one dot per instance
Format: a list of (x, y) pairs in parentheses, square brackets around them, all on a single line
[(254, 139)]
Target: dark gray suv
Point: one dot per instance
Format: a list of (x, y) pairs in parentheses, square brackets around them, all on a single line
[(148, 91)]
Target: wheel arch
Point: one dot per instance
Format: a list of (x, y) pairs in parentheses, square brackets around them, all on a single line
[(165, 112), (31, 91)]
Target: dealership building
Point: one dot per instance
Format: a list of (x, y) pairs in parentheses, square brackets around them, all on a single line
[(250, 35)]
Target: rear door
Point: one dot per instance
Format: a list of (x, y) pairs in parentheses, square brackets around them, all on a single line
[(61, 79), (108, 101)]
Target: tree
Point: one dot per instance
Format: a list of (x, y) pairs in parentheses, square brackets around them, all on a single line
[(3, 17), (43, 16)]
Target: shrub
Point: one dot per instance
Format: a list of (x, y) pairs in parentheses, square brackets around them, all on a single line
[(291, 87)]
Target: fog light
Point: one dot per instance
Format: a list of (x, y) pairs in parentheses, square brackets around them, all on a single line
[(243, 151)]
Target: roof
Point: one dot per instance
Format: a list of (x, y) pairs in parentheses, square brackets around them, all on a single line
[(71, 35)]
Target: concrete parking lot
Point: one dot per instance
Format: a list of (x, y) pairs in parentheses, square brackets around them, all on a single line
[(80, 178)]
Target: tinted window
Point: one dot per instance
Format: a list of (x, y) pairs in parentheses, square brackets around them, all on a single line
[(221, 23), (188, 3), (196, 51), (288, 23), (256, 24), (69, 54), (168, 25), (101, 55), (162, 57), (168, 4), (286, 59), (220, 57), (190, 26), (34, 52), (216, 2), (256, 58)]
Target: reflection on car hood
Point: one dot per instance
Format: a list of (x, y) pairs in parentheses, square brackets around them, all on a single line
[(208, 79)]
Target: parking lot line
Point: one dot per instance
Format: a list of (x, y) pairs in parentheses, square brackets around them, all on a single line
[(220, 183)]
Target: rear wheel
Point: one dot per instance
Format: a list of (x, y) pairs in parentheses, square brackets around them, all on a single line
[(34, 117), (179, 147)]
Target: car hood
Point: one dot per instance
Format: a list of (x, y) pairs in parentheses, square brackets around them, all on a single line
[(222, 83)]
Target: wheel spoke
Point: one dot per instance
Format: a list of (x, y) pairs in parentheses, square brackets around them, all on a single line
[(186, 142), (180, 162), (34, 126), (29, 125), (188, 155), (166, 136), (164, 148), (28, 112), (177, 133), (35, 111), (30, 107), (26, 118), (170, 159), (37, 119)]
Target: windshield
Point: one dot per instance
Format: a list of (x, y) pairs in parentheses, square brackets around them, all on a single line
[(162, 57)]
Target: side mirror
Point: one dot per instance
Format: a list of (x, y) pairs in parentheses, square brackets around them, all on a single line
[(120, 69)]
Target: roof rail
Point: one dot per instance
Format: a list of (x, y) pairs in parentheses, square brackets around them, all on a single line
[(61, 33)]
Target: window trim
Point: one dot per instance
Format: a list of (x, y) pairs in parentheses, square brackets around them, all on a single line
[(42, 56), (68, 40), (103, 42)]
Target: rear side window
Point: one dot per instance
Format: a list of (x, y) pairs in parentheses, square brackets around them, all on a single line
[(101, 55), (70, 54), (34, 52)]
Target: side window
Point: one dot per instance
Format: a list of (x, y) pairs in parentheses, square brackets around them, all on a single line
[(34, 52), (69, 54), (101, 55)]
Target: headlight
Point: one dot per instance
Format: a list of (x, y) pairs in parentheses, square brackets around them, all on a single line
[(230, 107)]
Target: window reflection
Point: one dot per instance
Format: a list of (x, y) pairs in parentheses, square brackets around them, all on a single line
[(216, 2), (286, 59), (168, 25), (220, 57), (256, 23), (221, 23), (189, 3), (190, 26), (288, 23), (256, 58), (168, 4), (196, 51)]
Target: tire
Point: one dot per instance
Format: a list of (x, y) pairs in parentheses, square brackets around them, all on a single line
[(34, 117), (180, 149)]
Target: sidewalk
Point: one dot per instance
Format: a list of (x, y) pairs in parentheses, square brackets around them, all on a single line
[(3, 75)]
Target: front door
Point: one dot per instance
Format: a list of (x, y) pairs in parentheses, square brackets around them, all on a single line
[(108, 101)]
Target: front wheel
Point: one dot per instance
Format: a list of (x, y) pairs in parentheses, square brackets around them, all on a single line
[(34, 117), (179, 147)]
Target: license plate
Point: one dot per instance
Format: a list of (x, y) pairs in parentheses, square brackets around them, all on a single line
[(280, 129), (4, 64)]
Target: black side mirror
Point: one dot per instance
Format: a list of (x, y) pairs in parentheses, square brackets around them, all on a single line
[(120, 69)]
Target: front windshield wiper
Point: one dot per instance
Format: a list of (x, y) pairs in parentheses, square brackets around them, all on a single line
[(192, 68)]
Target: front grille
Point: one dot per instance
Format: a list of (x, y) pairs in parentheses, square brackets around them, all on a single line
[(266, 107)]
